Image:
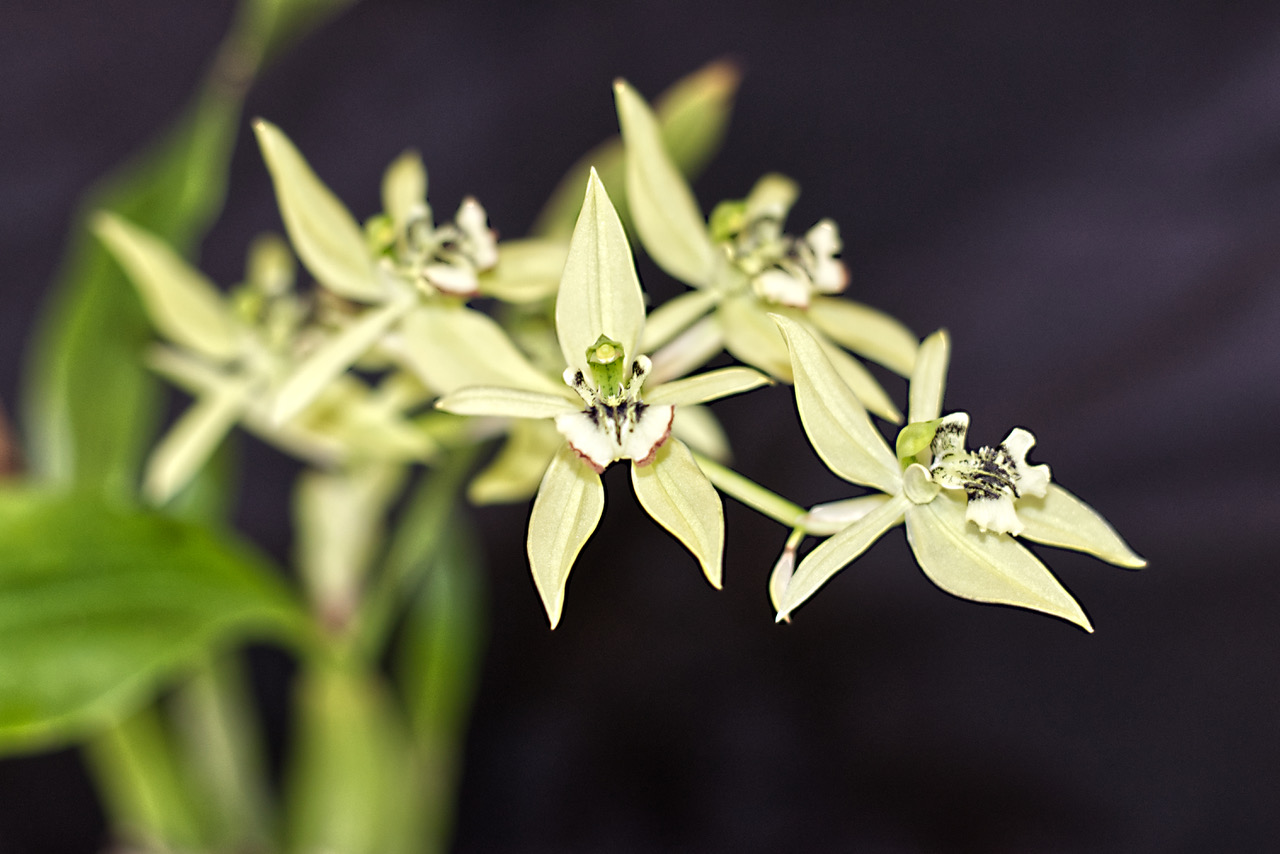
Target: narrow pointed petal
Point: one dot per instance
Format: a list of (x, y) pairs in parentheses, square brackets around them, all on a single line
[(516, 471), (674, 317), (870, 333), (689, 351), (326, 236), (983, 567), (505, 402), (334, 357), (675, 492), (665, 212), (527, 270), (698, 427), (568, 507), (450, 347), (834, 516), (860, 381), (184, 306), (837, 552), (929, 379), (836, 422), (404, 189), (188, 444), (1061, 519), (711, 385), (599, 292), (751, 337)]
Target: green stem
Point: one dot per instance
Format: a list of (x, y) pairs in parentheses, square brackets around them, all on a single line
[(750, 493), (416, 538)]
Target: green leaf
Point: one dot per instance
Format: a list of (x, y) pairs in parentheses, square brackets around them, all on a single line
[(1061, 519), (665, 212), (566, 511), (836, 422), (675, 492), (929, 379), (599, 292), (325, 235), (838, 551), (870, 333), (693, 114), (982, 567), (99, 606), (183, 304)]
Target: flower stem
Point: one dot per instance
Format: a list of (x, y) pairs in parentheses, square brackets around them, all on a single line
[(750, 493)]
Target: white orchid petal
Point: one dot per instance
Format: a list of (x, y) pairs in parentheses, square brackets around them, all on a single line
[(1061, 519), (1032, 480), (783, 288), (566, 511), (597, 447), (599, 292), (836, 422), (675, 492), (325, 235), (929, 378), (505, 402), (665, 212), (708, 386), (983, 567), (839, 551)]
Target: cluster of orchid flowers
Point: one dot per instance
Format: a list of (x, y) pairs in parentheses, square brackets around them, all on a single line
[(581, 377)]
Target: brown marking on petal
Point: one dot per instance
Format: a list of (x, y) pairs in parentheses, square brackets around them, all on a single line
[(599, 469), (653, 452)]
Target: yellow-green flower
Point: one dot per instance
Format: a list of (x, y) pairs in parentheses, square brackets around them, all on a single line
[(961, 508), (608, 410), (742, 267)]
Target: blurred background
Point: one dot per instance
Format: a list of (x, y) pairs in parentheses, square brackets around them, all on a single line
[(1087, 195)]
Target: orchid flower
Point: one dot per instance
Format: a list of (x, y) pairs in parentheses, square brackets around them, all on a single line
[(962, 509), (409, 277), (743, 267), (608, 411), (232, 351)]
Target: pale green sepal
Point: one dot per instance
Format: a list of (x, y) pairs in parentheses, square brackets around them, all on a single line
[(674, 317), (689, 351), (751, 338), (334, 357), (708, 386), (698, 427), (450, 346), (915, 439), (665, 212), (836, 422), (505, 402), (325, 235), (184, 306), (837, 552), (929, 379), (599, 292), (982, 567), (565, 513), (519, 466), (771, 197), (675, 492), (527, 270), (823, 520), (404, 189), (870, 333), (860, 381), (694, 114), (187, 446), (1061, 519)]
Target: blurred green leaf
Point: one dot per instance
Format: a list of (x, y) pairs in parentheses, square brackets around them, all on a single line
[(98, 606)]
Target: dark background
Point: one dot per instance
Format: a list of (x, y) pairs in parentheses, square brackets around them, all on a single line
[(1087, 195)]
